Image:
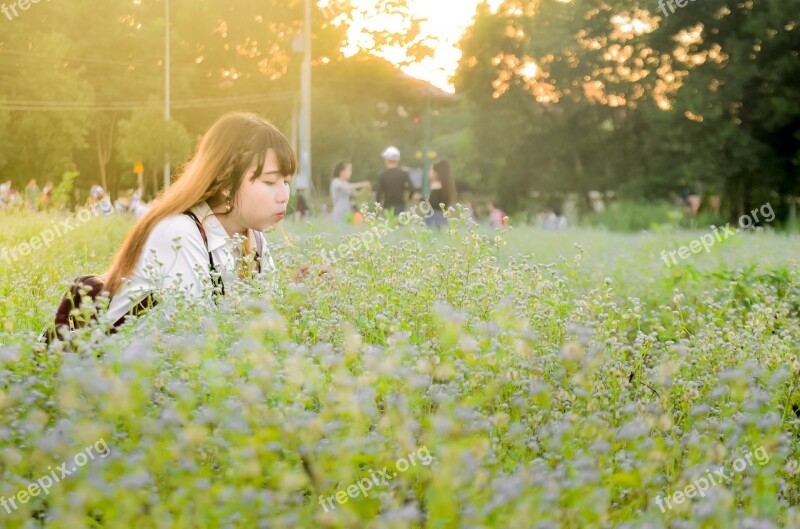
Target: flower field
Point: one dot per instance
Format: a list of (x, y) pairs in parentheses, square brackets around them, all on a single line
[(557, 380)]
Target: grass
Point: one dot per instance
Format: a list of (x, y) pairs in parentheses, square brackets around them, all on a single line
[(556, 379)]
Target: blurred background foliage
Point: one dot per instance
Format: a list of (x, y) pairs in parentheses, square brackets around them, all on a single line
[(551, 98)]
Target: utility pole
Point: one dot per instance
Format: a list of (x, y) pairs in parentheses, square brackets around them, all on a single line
[(426, 156), (304, 176), (166, 90), (295, 129)]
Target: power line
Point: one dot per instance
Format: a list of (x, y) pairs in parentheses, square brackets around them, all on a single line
[(108, 62), (399, 81), (79, 106), (276, 95), (74, 59)]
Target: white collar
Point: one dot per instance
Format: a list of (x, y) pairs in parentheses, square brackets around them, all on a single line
[(215, 231)]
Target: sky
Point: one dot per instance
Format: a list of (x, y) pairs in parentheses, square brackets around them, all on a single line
[(445, 21)]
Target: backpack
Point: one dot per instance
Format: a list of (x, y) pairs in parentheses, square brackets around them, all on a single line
[(69, 316)]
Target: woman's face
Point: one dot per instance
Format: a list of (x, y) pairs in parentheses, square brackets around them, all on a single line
[(261, 202), (347, 172), (434, 175)]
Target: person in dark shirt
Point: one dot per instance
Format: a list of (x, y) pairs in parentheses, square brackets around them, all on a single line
[(393, 183)]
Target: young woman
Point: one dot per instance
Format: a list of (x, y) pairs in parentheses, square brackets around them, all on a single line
[(443, 191), (342, 190), (210, 218)]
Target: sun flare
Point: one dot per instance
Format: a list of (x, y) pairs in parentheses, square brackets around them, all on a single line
[(443, 24)]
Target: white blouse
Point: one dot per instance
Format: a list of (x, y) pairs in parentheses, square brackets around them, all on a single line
[(175, 259)]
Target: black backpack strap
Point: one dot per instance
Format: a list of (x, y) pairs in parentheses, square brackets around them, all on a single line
[(259, 249), (216, 278), (93, 286), (150, 301), (137, 310)]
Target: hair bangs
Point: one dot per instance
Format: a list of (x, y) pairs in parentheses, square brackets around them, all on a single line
[(287, 161)]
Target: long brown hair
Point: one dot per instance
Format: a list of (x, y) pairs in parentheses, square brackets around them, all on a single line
[(223, 156), (442, 169)]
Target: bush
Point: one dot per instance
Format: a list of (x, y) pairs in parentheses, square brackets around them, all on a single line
[(635, 216)]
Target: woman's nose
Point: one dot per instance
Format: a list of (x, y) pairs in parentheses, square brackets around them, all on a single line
[(283, 194)]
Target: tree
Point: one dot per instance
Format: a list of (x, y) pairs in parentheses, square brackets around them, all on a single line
[(71, 70), (362, 105), (148, 137), (619, 97)]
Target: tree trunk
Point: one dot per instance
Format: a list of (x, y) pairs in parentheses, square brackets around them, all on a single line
[(155, 184), (588, 207), (104, 142)]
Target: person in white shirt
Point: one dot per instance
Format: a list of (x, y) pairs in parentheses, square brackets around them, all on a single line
[(236, 185)]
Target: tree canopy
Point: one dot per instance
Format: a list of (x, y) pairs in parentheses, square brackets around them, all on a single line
[(83, 83), (620, 95), (552, 96)]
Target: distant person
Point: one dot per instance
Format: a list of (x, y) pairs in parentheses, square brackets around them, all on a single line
[(301, 209), (123, 204), (5, 194), (139, 210), (554, 221), (15, 199), (100, 201), (498, 220), (393, 183), (47, 195), (694, 203), (342, 189), (96, 193), (470, 210), (136, 198), (443, 191), (75, 199), (32, 194), (685, 193), (138, 207)]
